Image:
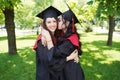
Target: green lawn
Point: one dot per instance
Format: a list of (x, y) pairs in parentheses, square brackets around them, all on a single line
[(99, 61)]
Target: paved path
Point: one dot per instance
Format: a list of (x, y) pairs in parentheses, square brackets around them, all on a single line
[(99, 30), (18, 32), (26, 32)]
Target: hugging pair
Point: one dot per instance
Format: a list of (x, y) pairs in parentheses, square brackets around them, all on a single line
[(58, 47)]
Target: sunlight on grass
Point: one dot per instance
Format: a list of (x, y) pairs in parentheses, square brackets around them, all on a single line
[(14, 65), (98, 76), (89, 64), (30, 62), (90, 37), (100, 62), (24, 41), (113, 55), (3, 46)]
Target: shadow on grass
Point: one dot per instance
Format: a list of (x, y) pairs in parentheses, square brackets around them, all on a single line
[(3, 38), (18, 67), (27, 37), (101, 34), (97, 65), (102, 45)]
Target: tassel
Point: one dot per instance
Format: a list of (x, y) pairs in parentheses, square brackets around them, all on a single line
[(73, 25)]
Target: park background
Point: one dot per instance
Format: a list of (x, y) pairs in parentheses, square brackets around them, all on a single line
[(99, 29)]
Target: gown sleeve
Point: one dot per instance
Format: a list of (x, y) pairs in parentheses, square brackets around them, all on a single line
[(60, 52), (42, 52)]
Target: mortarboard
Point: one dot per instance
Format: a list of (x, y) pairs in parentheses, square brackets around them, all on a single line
[(49, 12), (70, 16)]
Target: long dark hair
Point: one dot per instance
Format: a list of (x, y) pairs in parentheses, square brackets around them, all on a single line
[(69, 32), (69, 28), (55, 33)]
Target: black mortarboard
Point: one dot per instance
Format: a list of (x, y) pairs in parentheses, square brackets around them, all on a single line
[(69, 15), (49, 12)]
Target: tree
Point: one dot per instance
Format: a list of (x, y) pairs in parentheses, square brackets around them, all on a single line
[(7, 7), (110, 8)]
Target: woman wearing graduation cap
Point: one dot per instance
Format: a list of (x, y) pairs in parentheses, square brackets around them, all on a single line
[(58, 67), (43, 56)]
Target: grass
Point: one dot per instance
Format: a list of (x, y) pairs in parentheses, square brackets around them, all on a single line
[(21, 66), (99, 61)]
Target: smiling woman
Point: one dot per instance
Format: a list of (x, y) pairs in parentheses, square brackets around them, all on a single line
[(49, 17)]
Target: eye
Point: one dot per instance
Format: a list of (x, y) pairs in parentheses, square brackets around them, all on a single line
[(54, 20), (48, 22), (59, 20)]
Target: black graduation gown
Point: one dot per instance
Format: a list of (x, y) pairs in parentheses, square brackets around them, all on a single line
[(41, 62), (59, 68)]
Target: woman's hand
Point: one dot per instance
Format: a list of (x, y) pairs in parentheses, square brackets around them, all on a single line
[(43, 40), (46, 39), (73, 56), (76, 59), (46, 34)]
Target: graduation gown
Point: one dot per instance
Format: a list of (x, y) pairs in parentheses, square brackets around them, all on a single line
[(58, 67), (42, 60)]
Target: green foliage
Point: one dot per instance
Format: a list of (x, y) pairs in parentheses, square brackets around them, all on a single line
[(25, 11), (87, 27), (23, 15), (76, 7), (82, 10), (8, 3), (108, 7), (1, 17), (60, 5), (90, 2), (40, 5), (90, 11), (118, 25)]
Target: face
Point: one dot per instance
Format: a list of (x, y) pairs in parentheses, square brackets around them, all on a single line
[(61, 24), (51, 24)]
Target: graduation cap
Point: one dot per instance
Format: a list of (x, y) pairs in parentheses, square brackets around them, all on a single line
[(70, 16), (49, 12)]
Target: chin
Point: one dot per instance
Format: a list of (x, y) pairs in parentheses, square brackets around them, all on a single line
[(53, 31), (59, 28)]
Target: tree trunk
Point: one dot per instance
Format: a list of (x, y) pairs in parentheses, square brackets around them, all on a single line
[(111, 28), (10, 28)]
